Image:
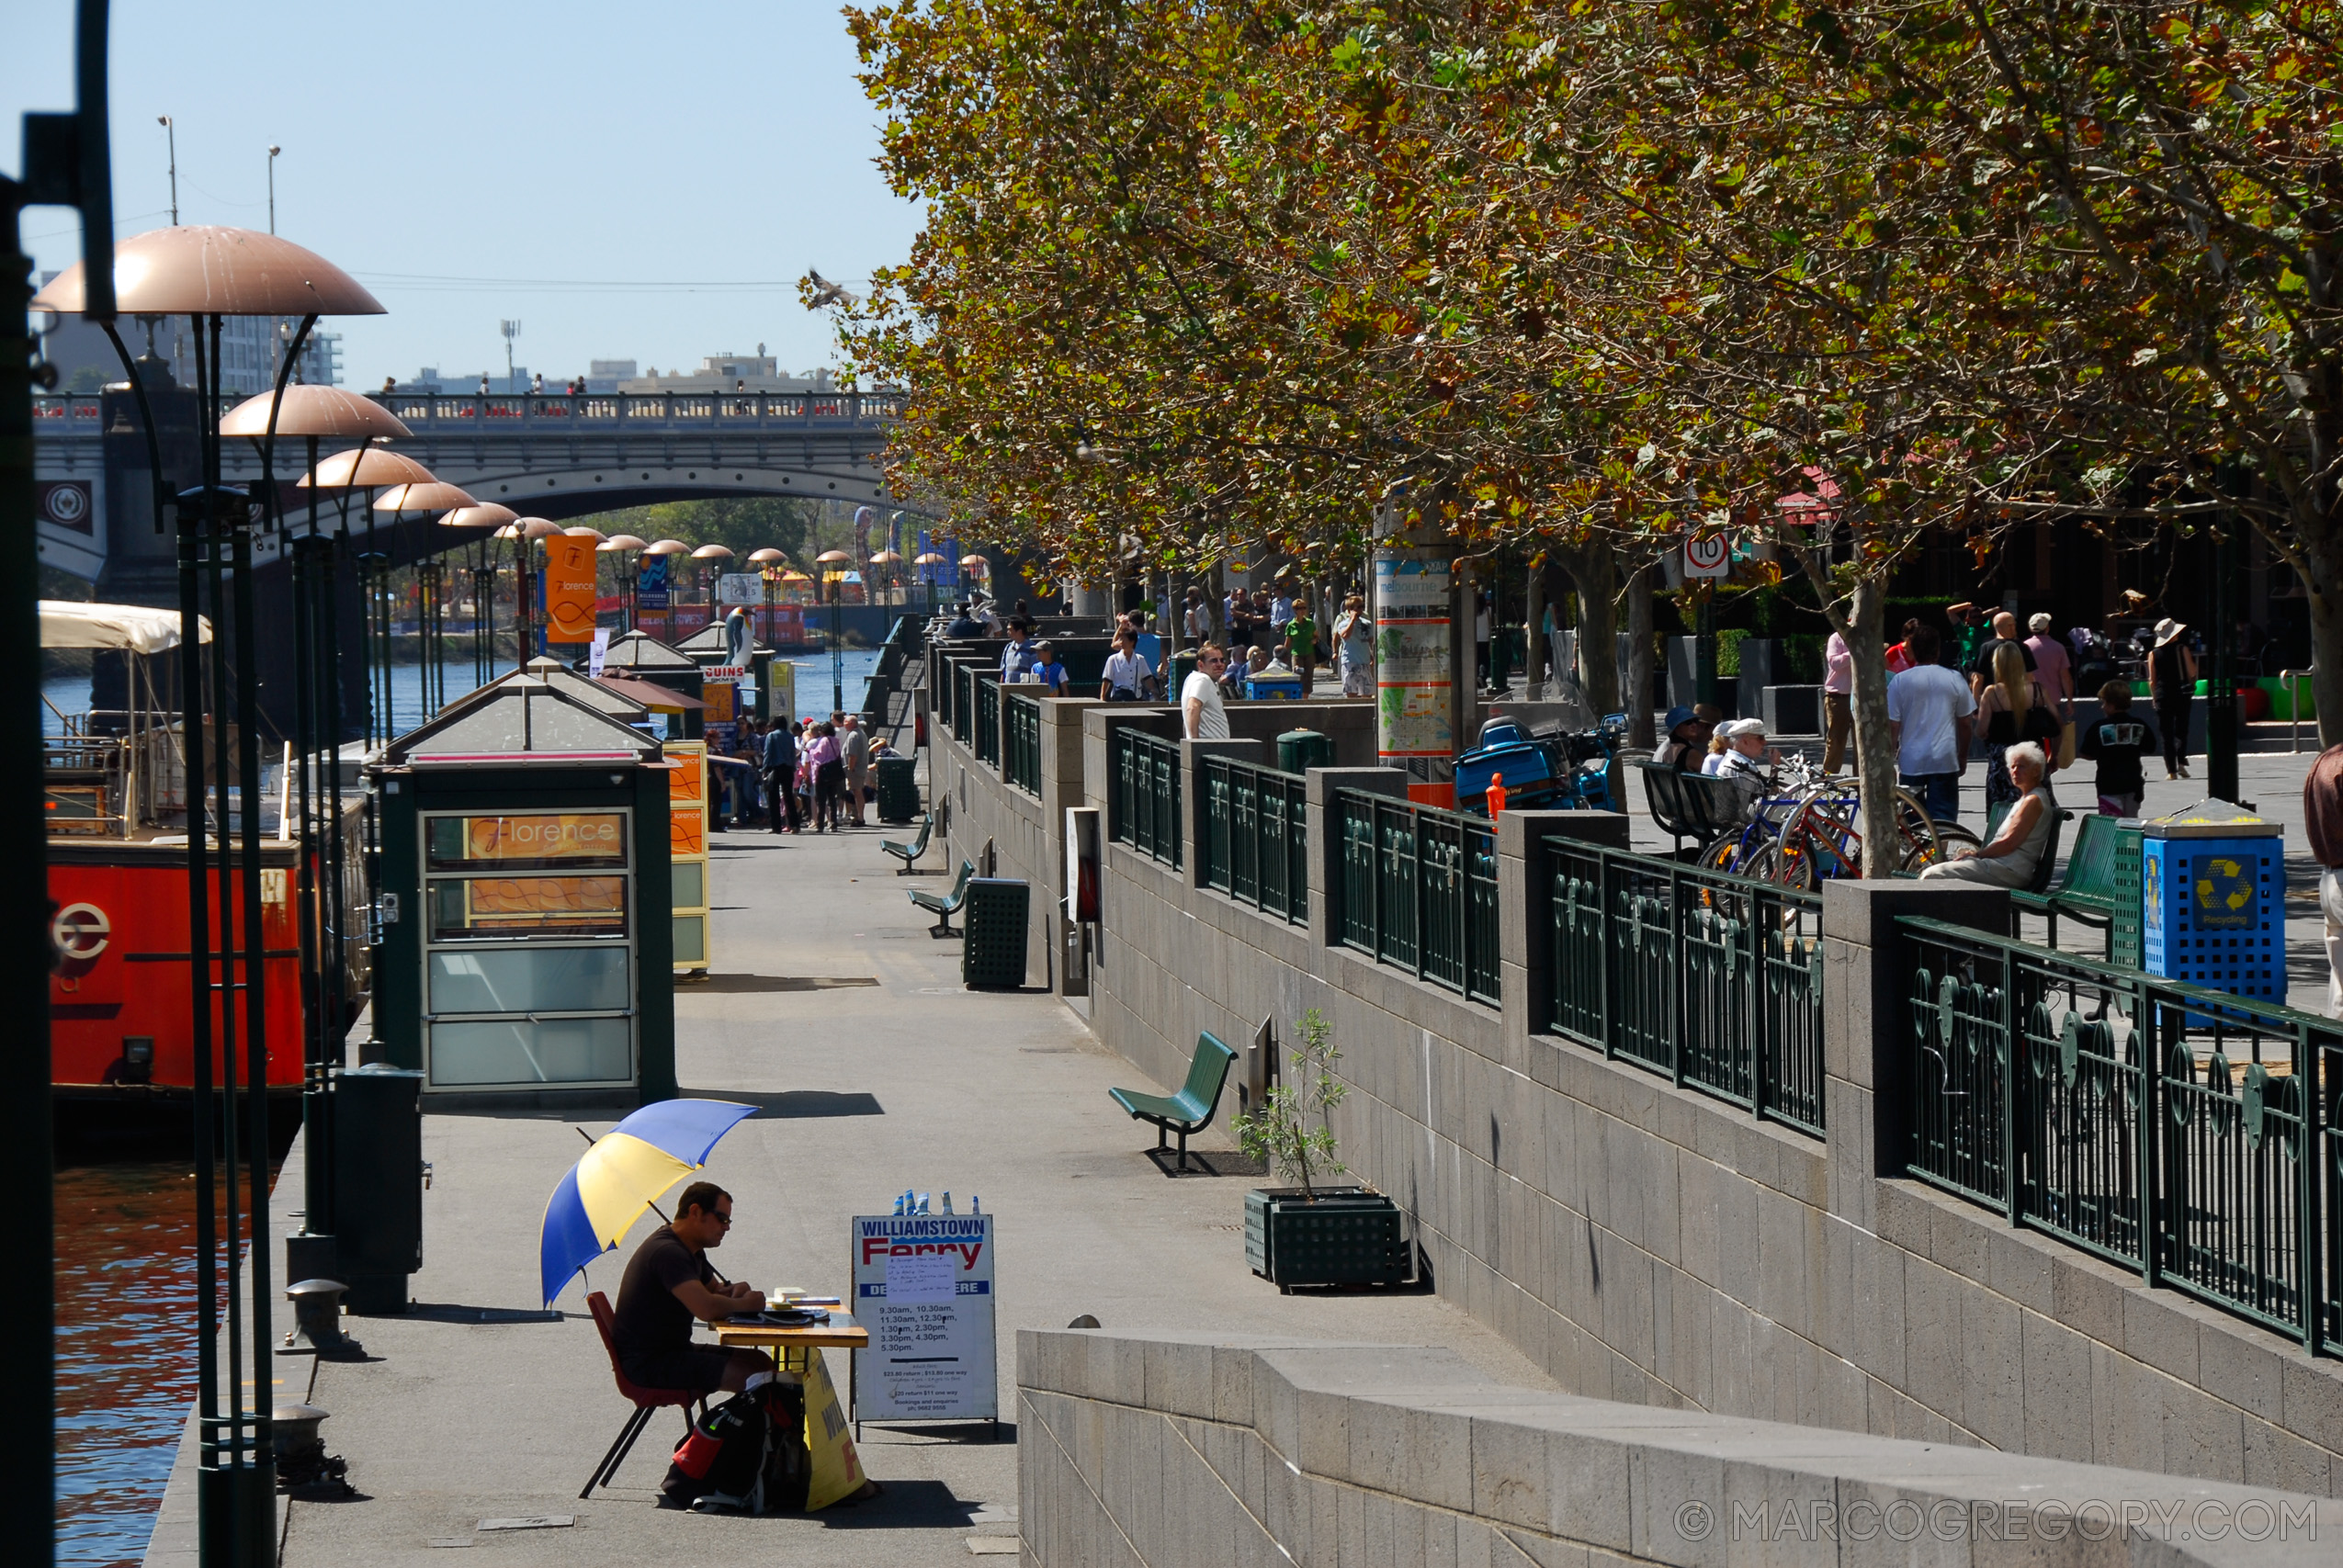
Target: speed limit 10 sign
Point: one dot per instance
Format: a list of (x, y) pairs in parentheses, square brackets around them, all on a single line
[(1708, 555)]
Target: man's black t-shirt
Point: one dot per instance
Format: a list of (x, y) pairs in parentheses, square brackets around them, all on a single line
[(1984, 664), (649, 1317), (2116, 743)]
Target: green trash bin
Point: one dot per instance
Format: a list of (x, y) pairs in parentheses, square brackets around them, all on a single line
[(992, 952), (898, 789), (1299, 749)]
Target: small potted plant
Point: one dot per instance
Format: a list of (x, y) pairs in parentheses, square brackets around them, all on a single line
[(1312, 1233)]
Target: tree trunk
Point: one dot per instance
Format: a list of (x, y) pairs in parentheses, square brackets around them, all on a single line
[(2325, 604), (1590, 566), (1875, 747), (1532, 639), (1641, 728)]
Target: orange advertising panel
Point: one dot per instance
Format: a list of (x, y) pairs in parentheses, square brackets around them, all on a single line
[(686, 834), (683, 784), (717, 695), (577, 905), (568, 588), (533, 839)]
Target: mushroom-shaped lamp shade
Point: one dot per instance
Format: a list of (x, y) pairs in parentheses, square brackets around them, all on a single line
[(976, 564), (766, 555), (314, 411), (623, 541), (711, 552), (202, 270), (538, 528), (510, 531), (929, 557), (367, 467), (832, 558), (433, 497), (581, 530), (667, 547), (885, 558), (487, 515)]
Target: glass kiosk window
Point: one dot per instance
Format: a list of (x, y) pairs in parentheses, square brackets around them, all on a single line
[(528, 958)]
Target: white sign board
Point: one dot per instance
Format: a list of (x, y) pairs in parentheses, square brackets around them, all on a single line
[(924, 1289), (1708, 555), (740, 588), (598, 653)]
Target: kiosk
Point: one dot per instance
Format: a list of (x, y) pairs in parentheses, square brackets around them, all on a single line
[(525, 906), (640, 657), (716, 647)]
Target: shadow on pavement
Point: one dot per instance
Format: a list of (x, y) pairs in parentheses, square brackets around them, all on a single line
[(736, 983), (782, 1105)]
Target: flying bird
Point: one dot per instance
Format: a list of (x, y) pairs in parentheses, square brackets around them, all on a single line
[(828, 293)]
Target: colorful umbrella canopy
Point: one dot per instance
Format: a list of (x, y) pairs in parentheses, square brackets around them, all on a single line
[(621, 1176)]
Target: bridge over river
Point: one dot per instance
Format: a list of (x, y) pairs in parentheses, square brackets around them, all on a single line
[(554, 456)]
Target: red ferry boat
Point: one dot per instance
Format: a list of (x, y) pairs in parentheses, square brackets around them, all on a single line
[(120, 997)]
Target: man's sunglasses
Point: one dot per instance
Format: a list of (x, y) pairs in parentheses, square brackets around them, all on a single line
[(724, 1219)]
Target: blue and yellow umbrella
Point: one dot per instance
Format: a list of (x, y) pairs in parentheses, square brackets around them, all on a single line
[(617, 1179)]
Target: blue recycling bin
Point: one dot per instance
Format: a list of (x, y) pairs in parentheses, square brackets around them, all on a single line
[(1273, 684), (2212, 901)]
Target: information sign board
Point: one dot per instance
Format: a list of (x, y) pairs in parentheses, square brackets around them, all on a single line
[(923, 1288)]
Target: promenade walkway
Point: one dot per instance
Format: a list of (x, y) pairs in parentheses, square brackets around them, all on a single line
[(834, 1009)]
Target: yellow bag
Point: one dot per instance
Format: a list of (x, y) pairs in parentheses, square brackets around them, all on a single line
[(837, 1471)]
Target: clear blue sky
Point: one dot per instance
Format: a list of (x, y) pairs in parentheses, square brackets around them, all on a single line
[(578, 142)]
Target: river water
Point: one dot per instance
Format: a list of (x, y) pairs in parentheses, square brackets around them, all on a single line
[(70, 694), (126, 1291), (125, 1278)]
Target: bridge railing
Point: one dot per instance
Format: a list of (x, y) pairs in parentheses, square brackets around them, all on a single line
[(619, 412)]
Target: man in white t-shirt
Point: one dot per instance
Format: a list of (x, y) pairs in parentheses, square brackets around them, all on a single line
[(1201, 715), (1930, 711)]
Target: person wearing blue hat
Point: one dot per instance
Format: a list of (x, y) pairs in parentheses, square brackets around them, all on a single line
[(1687, 744)]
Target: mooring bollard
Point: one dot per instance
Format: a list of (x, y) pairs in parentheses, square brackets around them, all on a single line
[(317, 1321)]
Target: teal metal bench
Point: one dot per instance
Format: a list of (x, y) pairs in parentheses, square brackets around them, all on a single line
[(1191, 1110), (943, 906), (910, 854), (2085, 895)]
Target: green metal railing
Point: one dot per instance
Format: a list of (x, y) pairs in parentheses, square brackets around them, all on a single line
[(2185, 1133), (1712, 981), (988, 719), (1144, 796), (1021, 742), (1419, 891), (963, 701), (1254, 846)]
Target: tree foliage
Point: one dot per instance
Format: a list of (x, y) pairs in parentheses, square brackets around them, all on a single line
[(1197, 277)]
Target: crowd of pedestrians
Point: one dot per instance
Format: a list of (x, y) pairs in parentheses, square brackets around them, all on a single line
[(794, 776)]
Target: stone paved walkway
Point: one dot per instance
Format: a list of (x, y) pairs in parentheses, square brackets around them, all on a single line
[(832, 1006)]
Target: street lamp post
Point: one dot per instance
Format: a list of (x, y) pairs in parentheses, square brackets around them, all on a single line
[(209, 275), (273, 151), (833, 565)]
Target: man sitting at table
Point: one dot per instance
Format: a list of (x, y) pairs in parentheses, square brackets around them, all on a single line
[(669, 1282)]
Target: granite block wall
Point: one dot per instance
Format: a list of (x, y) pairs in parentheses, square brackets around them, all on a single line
[(1646, 1244), (1203, 1451)]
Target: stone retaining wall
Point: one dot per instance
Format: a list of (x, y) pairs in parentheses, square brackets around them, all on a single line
[(1196, 1452), (1644, 1243)]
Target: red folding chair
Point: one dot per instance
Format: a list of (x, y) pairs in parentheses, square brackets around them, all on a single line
[(645, 1401)]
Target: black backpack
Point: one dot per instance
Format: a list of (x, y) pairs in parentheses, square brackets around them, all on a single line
[(746, 1456)]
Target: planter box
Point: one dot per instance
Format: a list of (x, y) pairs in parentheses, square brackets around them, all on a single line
[(1349, 1237)]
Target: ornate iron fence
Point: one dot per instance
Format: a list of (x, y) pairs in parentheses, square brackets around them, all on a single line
[(1254, 847), (1419, 891), (1712, 981), (2182, 1132), (1144, 774), (988, 719), (1021, 742)]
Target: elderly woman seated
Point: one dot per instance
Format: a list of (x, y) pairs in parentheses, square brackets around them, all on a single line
[(2016, 851)]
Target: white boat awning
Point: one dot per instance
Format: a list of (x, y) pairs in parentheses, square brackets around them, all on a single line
[(133, 628)]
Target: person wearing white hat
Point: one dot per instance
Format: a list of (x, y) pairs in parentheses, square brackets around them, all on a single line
[(1747, 761), (2172, 686)]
